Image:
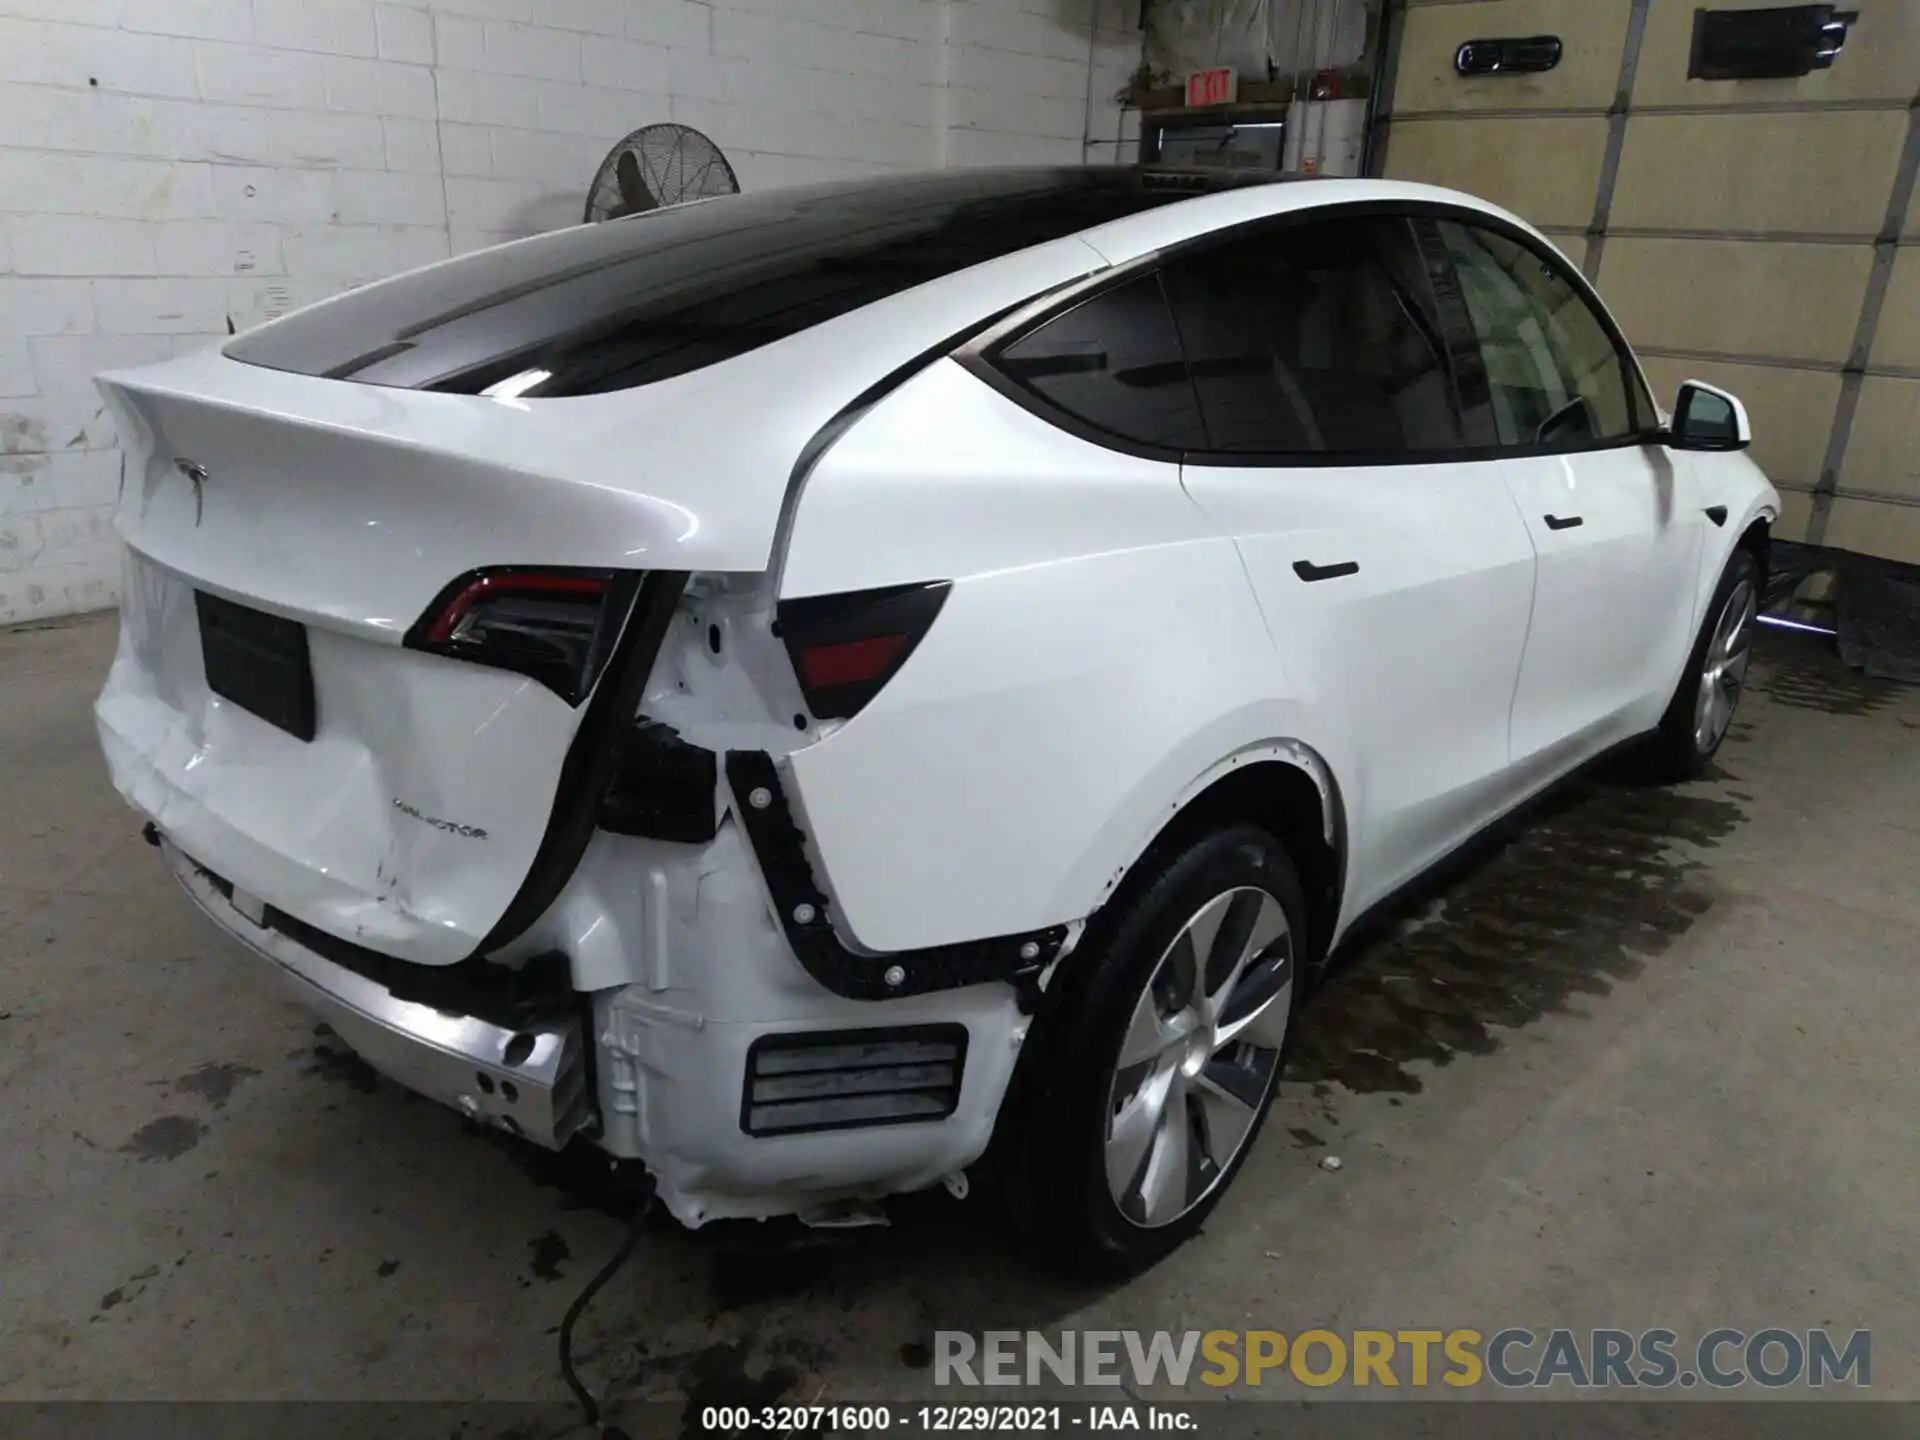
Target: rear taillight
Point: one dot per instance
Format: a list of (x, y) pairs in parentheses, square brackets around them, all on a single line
[(555, 626), (845, 647)]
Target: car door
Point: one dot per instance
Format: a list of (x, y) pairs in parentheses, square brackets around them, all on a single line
[(1610, 512), (1395, 575)]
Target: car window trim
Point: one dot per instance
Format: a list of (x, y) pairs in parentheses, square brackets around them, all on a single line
[(980, 354), (1638, 395)]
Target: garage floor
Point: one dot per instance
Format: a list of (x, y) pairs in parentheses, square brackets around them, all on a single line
[(1652, 1061)]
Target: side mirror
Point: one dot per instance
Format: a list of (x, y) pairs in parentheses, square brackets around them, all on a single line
[(1706, 417)]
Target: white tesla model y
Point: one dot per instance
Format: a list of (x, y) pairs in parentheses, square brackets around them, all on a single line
[(827, 691)]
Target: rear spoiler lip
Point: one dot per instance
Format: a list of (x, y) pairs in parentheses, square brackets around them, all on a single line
[(711, 521), (276, 538), (217, 381)]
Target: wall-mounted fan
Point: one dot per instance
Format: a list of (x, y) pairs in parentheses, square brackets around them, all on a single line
[(658, 165)]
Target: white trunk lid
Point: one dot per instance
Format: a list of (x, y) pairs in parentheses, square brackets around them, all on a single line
[(413, 816)]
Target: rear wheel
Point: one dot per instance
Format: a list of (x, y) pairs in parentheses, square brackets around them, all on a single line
[(1701, 711), (1144, 1089)]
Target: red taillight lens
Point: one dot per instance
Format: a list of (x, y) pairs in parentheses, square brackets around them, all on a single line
[(844, 648), (485, 592), (853, 662), (555, 626)]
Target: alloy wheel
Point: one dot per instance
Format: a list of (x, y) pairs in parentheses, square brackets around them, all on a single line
[(1199, 1056), (1724, 668)]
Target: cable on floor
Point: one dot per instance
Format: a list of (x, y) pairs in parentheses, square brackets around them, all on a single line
[(590, 1407)]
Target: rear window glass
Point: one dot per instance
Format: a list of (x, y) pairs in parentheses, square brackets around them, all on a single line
[(626, 302), (1115, 363)]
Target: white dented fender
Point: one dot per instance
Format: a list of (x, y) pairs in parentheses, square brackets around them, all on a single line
[(1100, 655)]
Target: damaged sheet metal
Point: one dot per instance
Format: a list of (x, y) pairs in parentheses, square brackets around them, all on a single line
[(405, 825)]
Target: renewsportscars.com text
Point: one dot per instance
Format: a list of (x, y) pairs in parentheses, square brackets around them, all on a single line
[(1720, 1359)]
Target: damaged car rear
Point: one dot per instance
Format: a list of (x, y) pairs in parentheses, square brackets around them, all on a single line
[(473, 623), (808, 693)]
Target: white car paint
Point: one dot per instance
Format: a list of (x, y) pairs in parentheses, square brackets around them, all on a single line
[(1603, 647), (1157, 631), (350, 507), (318, 828), (1120, 632), (1445, 568)]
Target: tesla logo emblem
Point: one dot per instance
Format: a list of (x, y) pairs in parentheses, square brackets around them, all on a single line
[(197, 476)]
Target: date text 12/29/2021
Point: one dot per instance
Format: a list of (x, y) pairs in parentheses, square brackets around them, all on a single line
[(940, 1419)]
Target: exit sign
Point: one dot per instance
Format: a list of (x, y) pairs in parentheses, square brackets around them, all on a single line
[(1218, 86)]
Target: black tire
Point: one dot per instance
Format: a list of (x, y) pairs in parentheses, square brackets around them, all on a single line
[(1048, 1164), (1677, 751)]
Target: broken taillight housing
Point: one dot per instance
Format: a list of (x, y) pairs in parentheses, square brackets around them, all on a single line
[(845, 647), (557, 626)]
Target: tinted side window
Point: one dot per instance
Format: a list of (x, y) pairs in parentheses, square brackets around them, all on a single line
[(1114, 362), (1316, 337), (1553, 373)]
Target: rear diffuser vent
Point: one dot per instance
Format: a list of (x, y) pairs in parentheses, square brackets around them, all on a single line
[(843, 1079)]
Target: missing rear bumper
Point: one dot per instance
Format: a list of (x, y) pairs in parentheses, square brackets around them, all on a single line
[(761, 803), (524, 1072)]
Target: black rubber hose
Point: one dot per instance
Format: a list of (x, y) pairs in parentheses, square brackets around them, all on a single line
[(588, 1405)]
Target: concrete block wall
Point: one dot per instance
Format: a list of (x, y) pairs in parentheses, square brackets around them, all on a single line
[(172, 167)]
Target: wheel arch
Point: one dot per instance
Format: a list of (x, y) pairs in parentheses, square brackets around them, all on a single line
[(1288, 789), (1757, 517), (1757, 539)]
